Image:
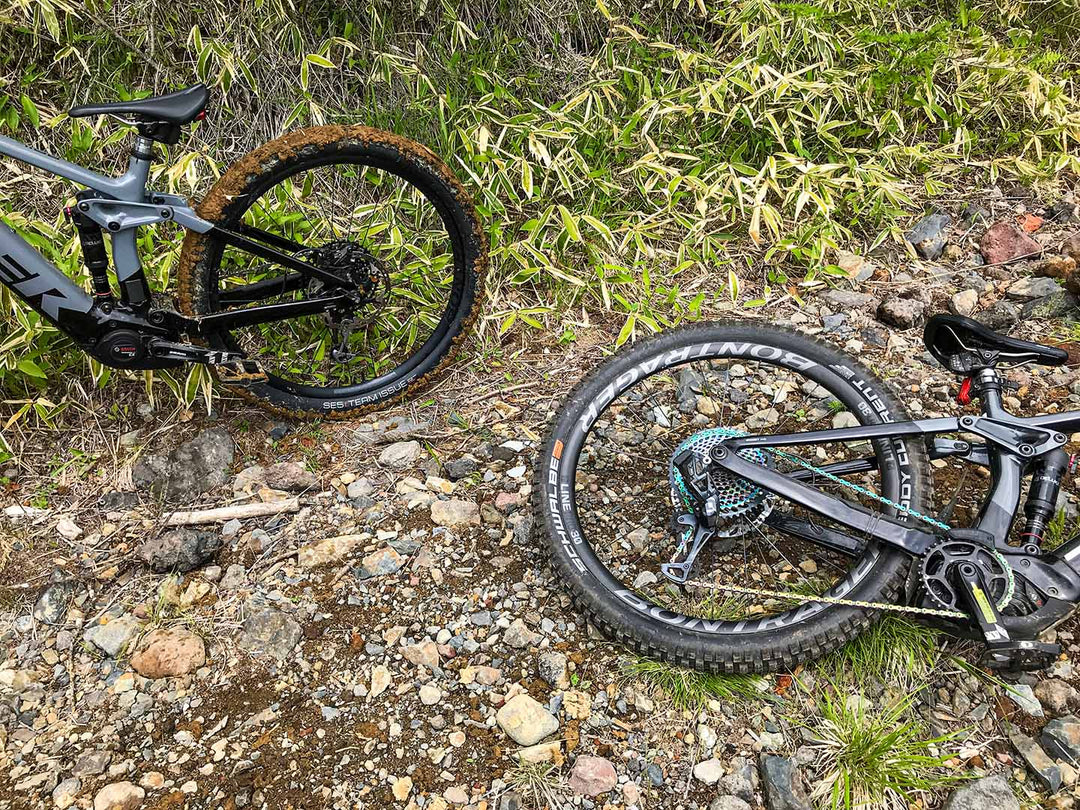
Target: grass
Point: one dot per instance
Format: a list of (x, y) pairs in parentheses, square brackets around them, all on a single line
[(875, 761), (895, 650), (538, 784), (1060, 531), (692, 690)]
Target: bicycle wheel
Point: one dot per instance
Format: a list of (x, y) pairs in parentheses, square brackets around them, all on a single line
[(607, 497), (381, 209)]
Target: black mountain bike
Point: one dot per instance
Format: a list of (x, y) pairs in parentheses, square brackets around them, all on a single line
[(740, 498), (325, 272)]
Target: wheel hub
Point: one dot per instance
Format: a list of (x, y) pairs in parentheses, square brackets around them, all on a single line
[(370, 290)]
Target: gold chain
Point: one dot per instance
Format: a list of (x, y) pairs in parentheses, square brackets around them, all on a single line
[(831, 600)]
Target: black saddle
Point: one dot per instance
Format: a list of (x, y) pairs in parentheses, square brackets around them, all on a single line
[(963, 345), (157, 117)]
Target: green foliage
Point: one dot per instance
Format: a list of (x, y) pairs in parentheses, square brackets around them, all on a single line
[(688, 689), (642, 160), (875, 759), (895, 650)]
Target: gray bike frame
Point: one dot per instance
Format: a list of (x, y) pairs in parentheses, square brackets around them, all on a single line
[(124, 205)]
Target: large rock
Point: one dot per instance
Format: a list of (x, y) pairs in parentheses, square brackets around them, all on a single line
[(178, 550), (1000, 316), (1004, 242), (784, 787), (269, 632), (400, 455), (168, 653), (65, 793), (455, 513), (988, 793), (195, 467), (1032, 288), (592, 776), (1061, 738), (113, 636), (53, 602), (930, 235), (525, 721), (119, 796), (288, 476)]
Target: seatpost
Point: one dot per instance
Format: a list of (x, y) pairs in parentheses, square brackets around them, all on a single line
[(142, 155), (988, 388)]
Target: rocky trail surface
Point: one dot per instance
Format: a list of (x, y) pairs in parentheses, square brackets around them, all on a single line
[(382, 630)]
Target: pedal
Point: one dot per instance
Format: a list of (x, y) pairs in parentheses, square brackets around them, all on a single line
[(1021, 656)]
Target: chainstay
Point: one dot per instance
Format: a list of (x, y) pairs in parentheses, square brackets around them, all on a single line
[(831, 600)]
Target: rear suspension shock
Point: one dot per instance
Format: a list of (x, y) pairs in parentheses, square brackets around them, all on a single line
[(1042, 496)]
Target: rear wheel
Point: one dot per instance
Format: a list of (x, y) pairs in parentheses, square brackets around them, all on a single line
[(370, 206), (607, 497)]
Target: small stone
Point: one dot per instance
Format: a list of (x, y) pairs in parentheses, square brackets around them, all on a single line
[(67, 529), (178, 550), (402, 787), (592, 776), (728, 803), (848, 301), (964, 303), (1021, 694), (1045, 771), (430, 695), (709, 771), (269, 632), (380, 680), (930, 235), (65, 793), (1056, 695), (195, 467), (1031, 288), (382, 562), (53, 602), (119, 796), (426, 653), (1061, 738), (552, 667), (525, 721), (290, 476), (360, 488), (400, 456), (988, 793), (113, 636), (517, 635), (1056, 266), (1004, 242), (542, 752), (454, 513), (1071, 247), (91, 763), (903, 313), (330, 550), (168, 653), (783, 784), (1000, 316)]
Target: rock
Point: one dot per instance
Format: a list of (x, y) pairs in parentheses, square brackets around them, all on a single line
[(1056, 266), (380, 680), (709, 771), (454, 513), (1056, 695), (269, 632), (67, 529), (1004, 242), (543, 752), (1071, 247), (783, 784), (903, 313), (1041, 766), (1000, 316), (983, 794), (290, 476), (430, 695), (178, 550), (400, 455), (1061, 211), (330, 550), (65, 793), (52, 603), (235, 577), (119, 796), (91, 763), (1053, 306), (552, 667), (402, 788), (1061, 738), (517, 635), (463, 467), (1022, 695), (631, 794), (728, 803), (390, 429), (380, 563), (742, 781), (973, 213), (195, 467), (525, 721), (856, 266), (426, 653), (168, 653), (930, 235), (113, 636), (1033, 287), (964, 303), (592, 776), (846, 300)]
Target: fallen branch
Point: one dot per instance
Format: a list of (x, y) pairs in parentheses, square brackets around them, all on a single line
[(224, 513)]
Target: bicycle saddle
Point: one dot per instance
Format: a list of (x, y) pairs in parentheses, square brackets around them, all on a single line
[(963, 345), (181, 107)]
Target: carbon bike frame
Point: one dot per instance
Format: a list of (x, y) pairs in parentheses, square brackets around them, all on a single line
[(120, 206), (1013, 444)]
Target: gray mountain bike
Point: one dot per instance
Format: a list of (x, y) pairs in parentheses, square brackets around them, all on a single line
[(325, 272)]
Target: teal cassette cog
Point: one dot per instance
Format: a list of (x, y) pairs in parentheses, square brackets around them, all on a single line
[(740, 504)]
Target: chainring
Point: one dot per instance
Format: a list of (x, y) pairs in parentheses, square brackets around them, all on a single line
[(940, 560)]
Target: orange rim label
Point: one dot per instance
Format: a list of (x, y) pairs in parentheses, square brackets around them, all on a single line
[(557, 450)]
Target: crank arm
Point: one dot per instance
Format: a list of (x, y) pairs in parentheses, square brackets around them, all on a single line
[(186, 353), (854, 516), (815, 533)]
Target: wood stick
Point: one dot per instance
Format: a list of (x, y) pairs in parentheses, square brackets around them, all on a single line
[(224, 513)]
